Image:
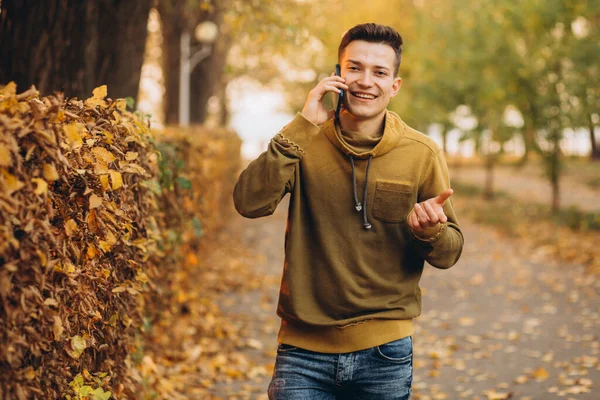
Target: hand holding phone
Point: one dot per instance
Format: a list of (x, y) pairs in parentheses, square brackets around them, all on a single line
[(314, 109)]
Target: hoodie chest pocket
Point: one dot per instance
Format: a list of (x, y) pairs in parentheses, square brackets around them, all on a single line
[(393, 200)]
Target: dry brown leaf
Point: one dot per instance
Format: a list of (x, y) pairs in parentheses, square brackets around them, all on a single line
[(95, 201)]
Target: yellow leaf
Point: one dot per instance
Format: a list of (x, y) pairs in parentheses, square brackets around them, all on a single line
[(102, 155), (121, 104), (109, 136), (75, 133), (60, 116), (77, 346), (141, 277), (131, 155), (98, 97), (104, 246), (100, 168), (493, 395), (541, 374), (95, 201), (104, 181), (91, 251), (71, 227), (6, 156), (10, 89), (50, 173), (11, 184), (116, 178), (110, 238), (42, 186), (29, 373)]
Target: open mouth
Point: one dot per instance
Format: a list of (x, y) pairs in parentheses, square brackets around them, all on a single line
[(364, 96)]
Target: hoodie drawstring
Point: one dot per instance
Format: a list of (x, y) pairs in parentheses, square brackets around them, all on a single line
[(357, 205)]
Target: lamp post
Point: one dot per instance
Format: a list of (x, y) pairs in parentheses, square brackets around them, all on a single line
[(206, 33)]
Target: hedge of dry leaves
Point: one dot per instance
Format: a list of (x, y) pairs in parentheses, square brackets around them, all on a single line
[(197, 169), (85, 249)]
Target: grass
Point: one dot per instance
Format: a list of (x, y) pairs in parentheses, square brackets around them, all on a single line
[(577, 169), (506, 212)]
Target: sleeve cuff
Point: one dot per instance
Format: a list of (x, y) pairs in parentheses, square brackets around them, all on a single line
[(429, 235)]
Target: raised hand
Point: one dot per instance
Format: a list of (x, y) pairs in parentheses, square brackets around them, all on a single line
[(314, 110), (429, 213)]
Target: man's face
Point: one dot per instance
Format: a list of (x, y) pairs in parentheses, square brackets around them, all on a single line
[(369, 72)]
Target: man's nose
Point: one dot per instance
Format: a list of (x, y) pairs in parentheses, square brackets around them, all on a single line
[(365, 79)]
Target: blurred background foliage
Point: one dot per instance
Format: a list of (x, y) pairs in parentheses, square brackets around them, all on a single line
[(497, 71)]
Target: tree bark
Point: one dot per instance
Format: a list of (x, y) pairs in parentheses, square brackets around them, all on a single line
[(122, 27), (57, 45), (44, 44), (172, 23), (488, 192), (445, 128), (595, 155), (555, 175), (207, 78)]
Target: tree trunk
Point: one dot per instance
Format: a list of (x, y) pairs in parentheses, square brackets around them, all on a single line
[(555, 175), (122, 27), (445, 128), (208, 76), (44, 44), (595, 155), (56, 45), (172, 23), (488, 192), (225, 114)]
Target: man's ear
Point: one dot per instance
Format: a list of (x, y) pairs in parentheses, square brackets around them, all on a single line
[(396, 86)]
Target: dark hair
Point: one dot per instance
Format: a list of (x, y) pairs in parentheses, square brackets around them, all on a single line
[(374, 33)]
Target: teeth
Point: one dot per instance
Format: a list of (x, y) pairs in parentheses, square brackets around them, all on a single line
[(365, 96)]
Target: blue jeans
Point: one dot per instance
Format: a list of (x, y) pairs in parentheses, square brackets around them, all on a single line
[(383, 372)]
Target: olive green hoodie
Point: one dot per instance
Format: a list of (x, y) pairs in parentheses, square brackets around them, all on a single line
[(352, 265)]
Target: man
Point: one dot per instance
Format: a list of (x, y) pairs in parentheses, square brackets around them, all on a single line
[(350, 288)]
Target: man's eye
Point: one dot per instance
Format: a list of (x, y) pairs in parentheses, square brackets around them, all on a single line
[(353, 68), (381, 73)]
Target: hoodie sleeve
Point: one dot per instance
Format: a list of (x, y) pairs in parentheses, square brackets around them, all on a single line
[(262, 185), (441, 248)]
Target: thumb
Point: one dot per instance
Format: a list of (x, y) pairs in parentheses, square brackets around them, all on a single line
[(442, 197)]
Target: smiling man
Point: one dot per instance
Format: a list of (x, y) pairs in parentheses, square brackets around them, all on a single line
[(349, 290)]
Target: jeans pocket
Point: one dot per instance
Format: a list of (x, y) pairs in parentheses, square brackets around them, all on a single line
[(398, 351), (284, 348)]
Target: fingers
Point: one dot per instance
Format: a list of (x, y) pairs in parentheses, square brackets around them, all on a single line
[(445, 195), (435, 213), (413, 221), (428, 215), (434, 217), (421, 215)]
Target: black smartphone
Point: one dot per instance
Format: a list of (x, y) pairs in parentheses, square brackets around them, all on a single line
[(340, 96)]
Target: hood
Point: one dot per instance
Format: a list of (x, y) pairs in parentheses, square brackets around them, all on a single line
[(393, 131)]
